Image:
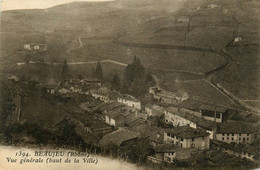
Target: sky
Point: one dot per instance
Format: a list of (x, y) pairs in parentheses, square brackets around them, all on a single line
[(34, 4)]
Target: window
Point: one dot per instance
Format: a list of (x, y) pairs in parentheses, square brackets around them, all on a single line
[(223, 138), (192, 139), (228, 134), (176, 137), (227, 138), (232, 138), (239, 134), (168, 134), (239, 138), (232, 134), (223, 134), (181, 144), (247, 139), (181, 139), (248, 134)]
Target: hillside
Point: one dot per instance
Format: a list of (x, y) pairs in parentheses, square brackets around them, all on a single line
[(168, 36)]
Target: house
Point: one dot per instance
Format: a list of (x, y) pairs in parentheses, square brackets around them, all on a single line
[(119, 138), (64, 90), (168, 96), (238, 132), (89, 123), (75, 89), (51, 89), (213, 113), (187, 137), (104, 94), (90, 104), (119, 115), (171, 153), (92, 81), (27, 46), (172, 115), (100, 94), (183, 19), (35, 47), (240, 150), (130, 101), (154, 110), (237, 39), (105, 107), (212, 6), (153, 134)]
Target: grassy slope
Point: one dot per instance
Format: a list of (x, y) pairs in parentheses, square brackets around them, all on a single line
[(138, 21)]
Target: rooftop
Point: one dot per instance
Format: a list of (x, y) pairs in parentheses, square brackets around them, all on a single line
[(213, 108), (120, 110), (117, 137), (237, 147), (91, 80), (108, 106), (129, 97), (145, 130), (236, 127), (186, 132), (207, 124), (167, 147)]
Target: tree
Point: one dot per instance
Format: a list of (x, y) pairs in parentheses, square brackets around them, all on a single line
[(134, 70), (99, 72), (116, 82), (65, 69)]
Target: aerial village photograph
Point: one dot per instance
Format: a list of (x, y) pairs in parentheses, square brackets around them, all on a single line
[(129, 84)]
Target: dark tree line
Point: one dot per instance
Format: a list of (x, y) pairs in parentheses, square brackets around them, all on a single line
[(97, 72), (137, 79)]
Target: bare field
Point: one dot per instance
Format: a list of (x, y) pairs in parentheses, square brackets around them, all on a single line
[(198, 89), (150, 57)]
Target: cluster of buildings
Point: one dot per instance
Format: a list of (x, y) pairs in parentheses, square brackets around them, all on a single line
[(167, 96), (35, 47), (174, 133)]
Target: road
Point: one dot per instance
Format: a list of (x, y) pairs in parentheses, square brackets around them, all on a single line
[(207, 75)]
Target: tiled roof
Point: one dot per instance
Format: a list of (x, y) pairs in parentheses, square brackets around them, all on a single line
[(117, 137), (148, 131), (129, 97), (186, 132), (91, 80), (108, 106), (120, 110), (206, 124), (213, 108), (236, 127), (181, 153), (237, 147), (164, 148)]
